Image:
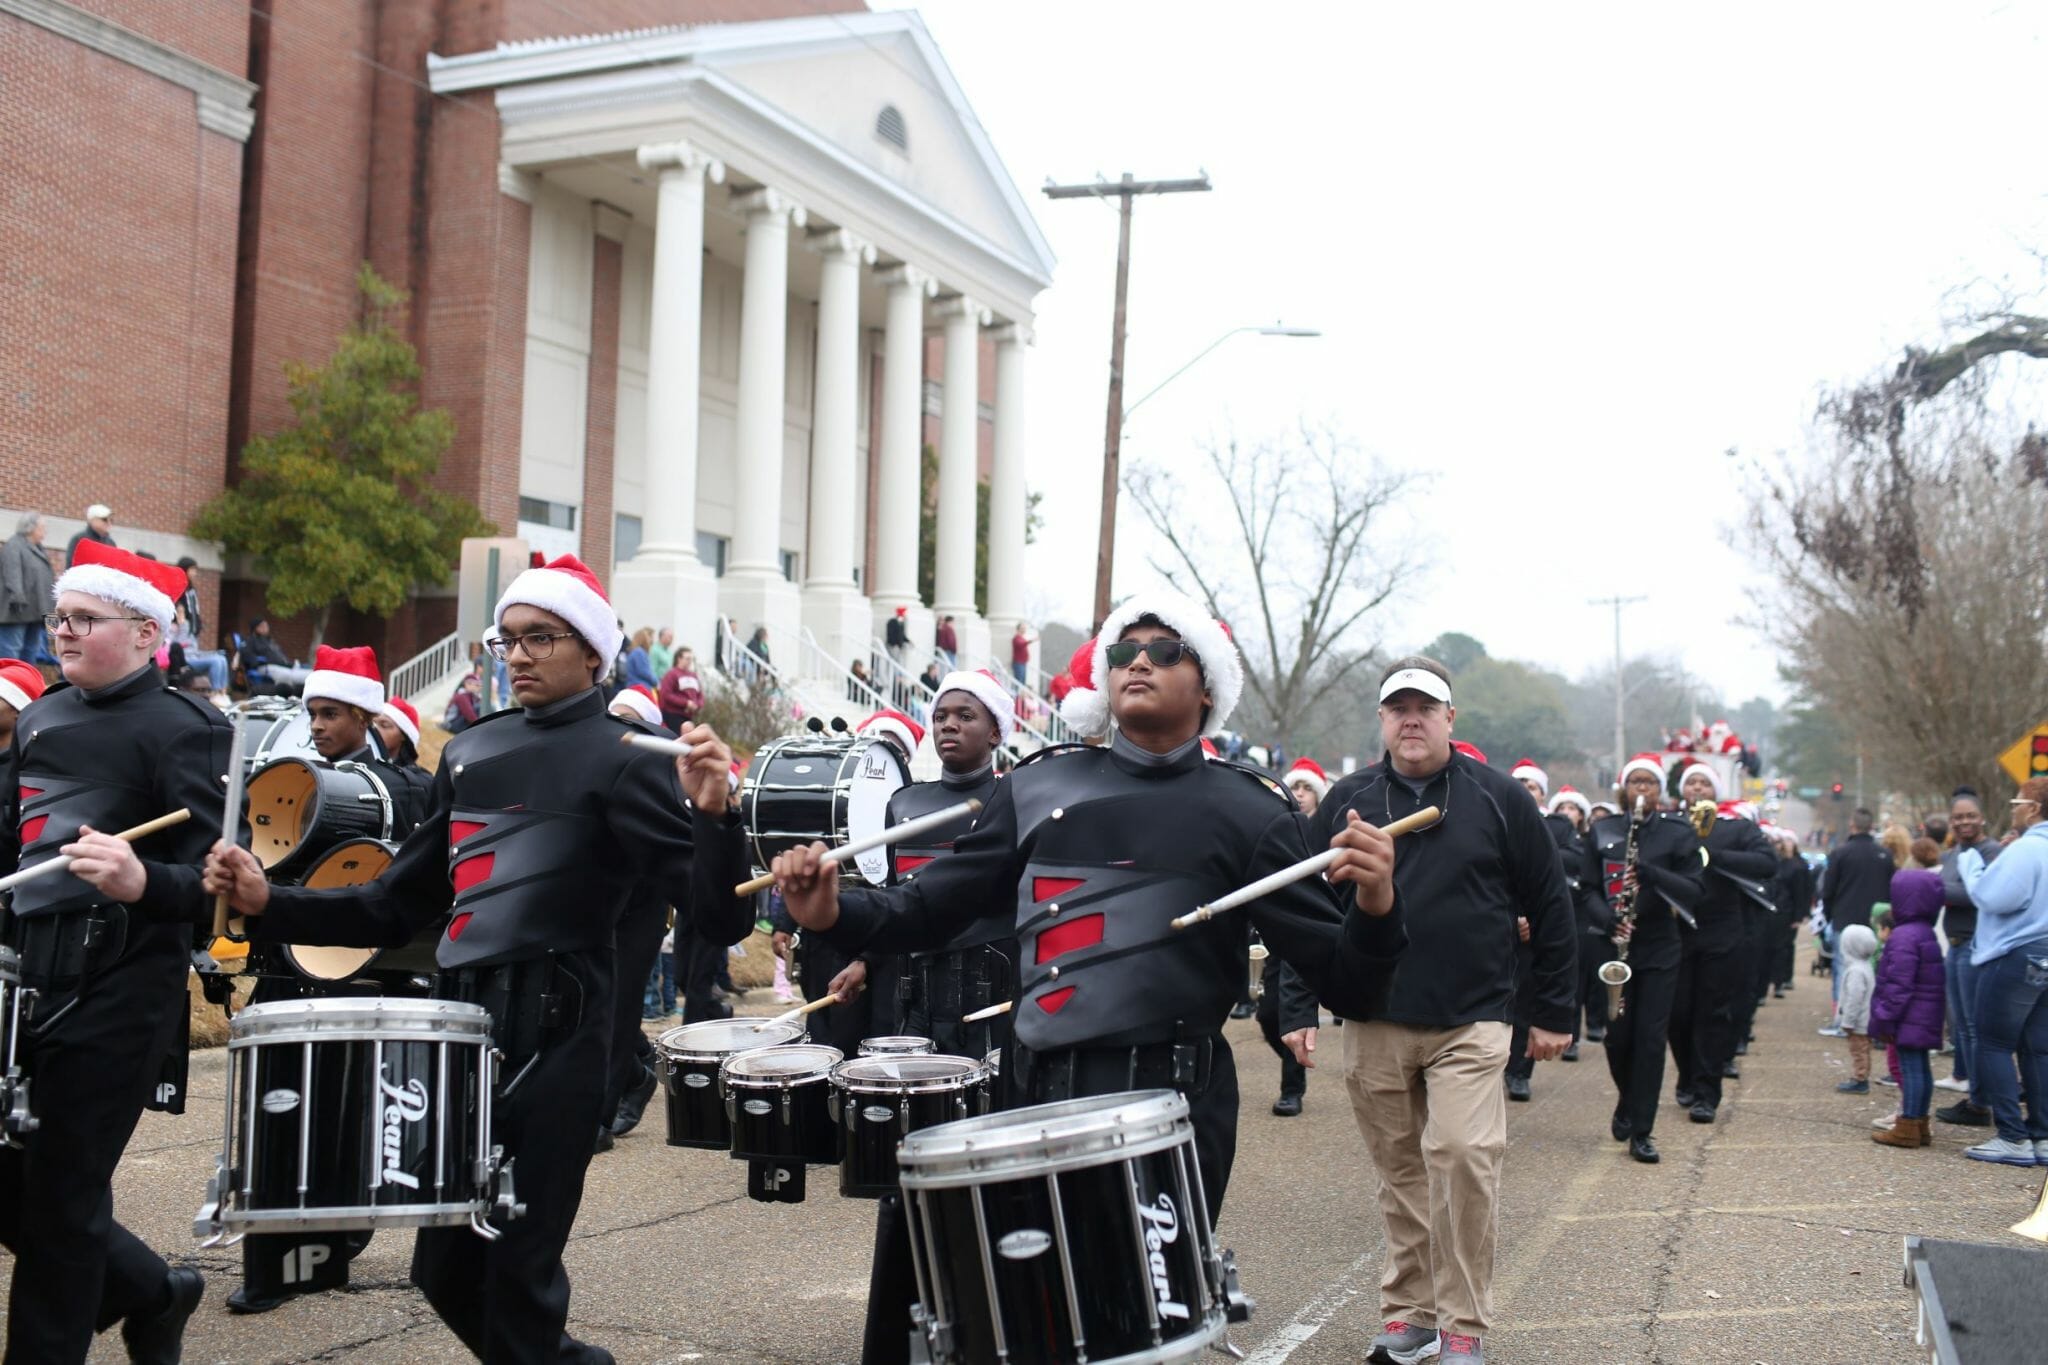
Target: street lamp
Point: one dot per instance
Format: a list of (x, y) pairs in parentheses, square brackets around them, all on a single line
[(1276, 330)]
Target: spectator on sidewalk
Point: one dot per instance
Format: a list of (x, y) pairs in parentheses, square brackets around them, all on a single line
[(2010, 1007), (1858, 876), (1959, 924), (26, 580), (1855, 983), (1020, 656), (662, 653), (948, 641), (638, 668), (466, 707), (1906, 1002), (99, 526), (681, 694), (213, 663), (261, 650)]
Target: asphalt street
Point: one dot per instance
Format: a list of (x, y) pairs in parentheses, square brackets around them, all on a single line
[(1773, 1235)]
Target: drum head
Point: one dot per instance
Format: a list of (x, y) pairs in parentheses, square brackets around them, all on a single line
[(283, 797), (1045, 1138), (827, 788), (789, 1063), (897, 1045), (907, 1075), (286, 733), (873, 773), (355, 1016), (716, 1038), (349, 864)]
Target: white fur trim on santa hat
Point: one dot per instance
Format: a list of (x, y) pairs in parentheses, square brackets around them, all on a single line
[(109, 584), (1527, 769), (407, 726), (1307, 773), (985, 689), (1222, 671), (882, 723), (583, 607), (1567, 797), (639, 703), (361, 690), (13, 695), (1086, 712), (1647, 763), (1713, 778)]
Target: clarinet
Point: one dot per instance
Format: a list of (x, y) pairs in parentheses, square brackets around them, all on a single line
[(1615, 975)]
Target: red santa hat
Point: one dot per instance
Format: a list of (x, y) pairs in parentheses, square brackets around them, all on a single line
[(1526, 769), (639, 699), (1082, 707), (1736, 810), (1568, 795), (1732, 744), (1222, 670), (1702, 770), (405, 717), (20, 683), (1644, 762), (897, 726), (566, 587), (1306, 772), (1471, 751), (349, 676), (987, 689), (147, 586)]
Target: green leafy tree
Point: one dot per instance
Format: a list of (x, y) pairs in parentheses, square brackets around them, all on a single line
[(1511, 710), (1455, 651), (339, 505), (928, 533)]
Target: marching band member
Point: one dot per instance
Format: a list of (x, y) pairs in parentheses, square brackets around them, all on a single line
[(541, 826), (397, 730), (1098, 848), (1589, 909), (1279, 983), (21, 682), (106, 948), (1665, 879)]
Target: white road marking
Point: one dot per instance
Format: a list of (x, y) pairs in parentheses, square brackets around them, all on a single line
[(1297, 1331)]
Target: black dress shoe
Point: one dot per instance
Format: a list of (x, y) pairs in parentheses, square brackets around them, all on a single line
[(1287, 1106), (1596, 1035), (1684, 1096), (1618, 1126), (1701, 1112), (1964, 1114), (1742, 1049), (1643, 1150), (159, 1339), (1729, 1073), (1243, 1010), (1518, 1088), (633, 1104), (1571, 1053), (1777, 992), (604, 1139)]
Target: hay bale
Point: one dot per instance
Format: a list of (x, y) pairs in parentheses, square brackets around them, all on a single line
[(209, 1025), (757, 968)]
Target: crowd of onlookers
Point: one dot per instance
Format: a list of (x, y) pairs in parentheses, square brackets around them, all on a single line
[(1937, 943)]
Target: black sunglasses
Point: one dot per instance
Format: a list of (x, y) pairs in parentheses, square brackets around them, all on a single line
[(1162, 653)]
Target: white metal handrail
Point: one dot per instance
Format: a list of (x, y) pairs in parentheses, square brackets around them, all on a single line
[(736, 661), (817, 663), (429, 666), (1043, 719), (896, 681)]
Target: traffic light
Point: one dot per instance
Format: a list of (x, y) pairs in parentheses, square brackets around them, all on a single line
[(1837, 790), (2037, 762)]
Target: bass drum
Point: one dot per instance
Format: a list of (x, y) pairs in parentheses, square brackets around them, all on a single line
[(413, 966), (808, 788), (299, 808), (278, 732)]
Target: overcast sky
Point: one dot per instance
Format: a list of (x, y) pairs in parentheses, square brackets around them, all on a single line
[(1563, 256)]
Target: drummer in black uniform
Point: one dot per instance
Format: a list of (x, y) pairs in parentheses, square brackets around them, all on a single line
[(1666, 881), (541, 825), (396, 728), (344, 695), (106, 947)]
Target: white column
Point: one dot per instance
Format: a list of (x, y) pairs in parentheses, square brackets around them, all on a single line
[(1006, 501), (754, 592), (835, 612), (665, 583), (959, 473), (897, 492)]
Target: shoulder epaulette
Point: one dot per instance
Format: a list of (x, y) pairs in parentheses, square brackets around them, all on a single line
[(205, 708), (1259, 775), (1052, 749)]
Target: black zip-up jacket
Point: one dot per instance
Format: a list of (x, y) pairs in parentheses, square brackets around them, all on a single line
[(1463, 882), (1739, 858), (1668, 873), (1959, 918), (1792, 886), (1858, 876)]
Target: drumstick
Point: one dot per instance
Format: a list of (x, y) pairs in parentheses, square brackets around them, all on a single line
[(231, 815), (846, 853), (1287, 876), (991, 1012), (675, 748), (61, 863), (791, 1016)]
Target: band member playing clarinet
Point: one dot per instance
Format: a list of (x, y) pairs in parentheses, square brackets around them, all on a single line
[(1664, 880), (1097, 850), (541, 827), (106, 948)]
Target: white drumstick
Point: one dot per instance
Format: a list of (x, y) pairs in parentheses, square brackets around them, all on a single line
[(655, 744), (895, 834), (991, 1012), (791, 1016), (1287, 876), (62, 863)]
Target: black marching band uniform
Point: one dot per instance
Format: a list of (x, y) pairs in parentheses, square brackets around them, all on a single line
[(541, 830), (1668, 875), (104, 1034), (1571, 854), (637, 945), (1708, 1015)]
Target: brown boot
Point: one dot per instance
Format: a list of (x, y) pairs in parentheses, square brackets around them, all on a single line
[(1904, 1132), (1926, 1132)]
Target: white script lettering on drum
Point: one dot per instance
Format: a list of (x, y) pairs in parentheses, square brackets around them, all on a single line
[(408, 1105), (1162, 1229)]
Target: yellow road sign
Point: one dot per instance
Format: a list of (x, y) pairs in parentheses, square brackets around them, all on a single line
[(2028, 757)]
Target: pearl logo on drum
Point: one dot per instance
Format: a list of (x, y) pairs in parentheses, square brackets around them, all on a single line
[(1023, 1244), (1162, 1229), (404, 1106)]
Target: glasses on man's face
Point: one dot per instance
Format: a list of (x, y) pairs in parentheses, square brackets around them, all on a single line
[(79, 623), (538, 644), (1162, 653)]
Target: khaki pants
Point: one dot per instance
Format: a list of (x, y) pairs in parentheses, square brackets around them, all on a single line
[(1431, 1107), (1859, 1056)]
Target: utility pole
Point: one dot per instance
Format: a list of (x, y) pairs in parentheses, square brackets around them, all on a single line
[(1126, 190), (1620, 744)]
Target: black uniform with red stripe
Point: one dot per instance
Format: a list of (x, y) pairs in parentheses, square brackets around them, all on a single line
[(1715, 969), (1667, 874), (541, 829), (109, 979)]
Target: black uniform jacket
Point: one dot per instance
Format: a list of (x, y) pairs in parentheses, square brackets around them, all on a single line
[(1740, 865), (1097, 849), (1668, 873), (407, 786), (907, 858), (1792, 887), (113, 759), (539, 826), (1464, 881)]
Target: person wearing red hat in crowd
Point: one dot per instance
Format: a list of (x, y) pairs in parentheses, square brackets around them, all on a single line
[(1097, 850), (1709, 1020), (105, 949), (1595, 920), (1471, 751), (21, 682), (542, 827), (397, 727), (1307, 783), (1666, 885), (1521, 1067)]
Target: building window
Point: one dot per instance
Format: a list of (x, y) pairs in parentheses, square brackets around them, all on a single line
[(889, 127), (711, 550), (625, 537), (789, 565), (559, 515)]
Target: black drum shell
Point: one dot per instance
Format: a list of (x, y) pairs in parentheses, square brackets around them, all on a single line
[(786, 1120), (872, 1122), (696, 1109), (299, 808)]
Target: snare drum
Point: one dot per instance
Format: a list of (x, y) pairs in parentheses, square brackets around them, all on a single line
[(775, 1102), (877, 1101), (353, 1113), (299, 808), (16, 1121), (352, 864), (1065, 1232), (987, 1096), (690, 1057), (808, 788), (897, 1045)]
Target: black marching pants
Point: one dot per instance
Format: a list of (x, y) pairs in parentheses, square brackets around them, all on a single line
[(840, 1026), (1758, 932), (1595, 952), (76, 1270), (1635, 1045), (697, 962), (1293, 1075), (1785, 949), (1703, 1014), (637, 943)]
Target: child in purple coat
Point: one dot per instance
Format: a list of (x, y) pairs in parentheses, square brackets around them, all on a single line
[(1906, 1009)]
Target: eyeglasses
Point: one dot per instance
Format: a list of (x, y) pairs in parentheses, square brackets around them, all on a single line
[(539, 645), (1162, 653), (80, 623)]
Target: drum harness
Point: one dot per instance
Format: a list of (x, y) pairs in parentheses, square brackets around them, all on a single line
[(534, 1003), (1185, 1063)]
